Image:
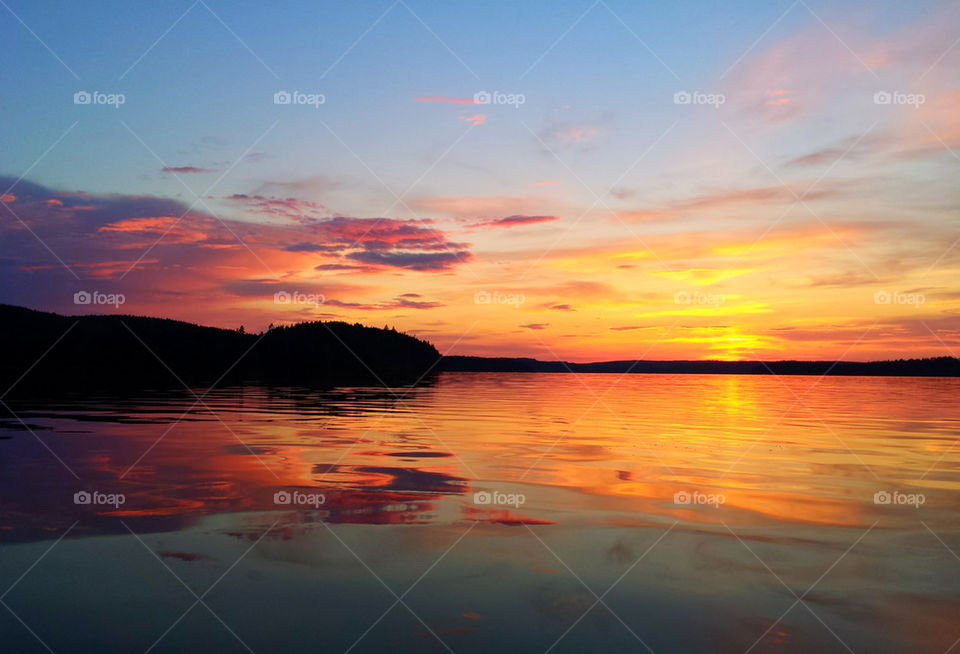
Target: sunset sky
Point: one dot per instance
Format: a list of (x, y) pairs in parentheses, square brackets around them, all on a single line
[(803, 204)]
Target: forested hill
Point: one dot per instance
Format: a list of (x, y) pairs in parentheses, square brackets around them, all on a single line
[(48, 352)]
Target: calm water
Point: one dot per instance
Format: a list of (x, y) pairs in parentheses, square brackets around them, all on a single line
[(488, 513)]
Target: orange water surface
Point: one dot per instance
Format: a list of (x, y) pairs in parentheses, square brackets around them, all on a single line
[(519, 512)]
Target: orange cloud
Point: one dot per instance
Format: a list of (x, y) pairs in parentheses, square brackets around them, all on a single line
[(513, 221), (155, 224), (477, 119), (172, 229), (576, 134)]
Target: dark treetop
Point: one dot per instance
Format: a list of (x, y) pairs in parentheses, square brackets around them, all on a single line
[(133, 351)]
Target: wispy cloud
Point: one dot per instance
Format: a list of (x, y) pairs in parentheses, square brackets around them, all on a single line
[(514, 221), (186, 169), (476, 119)]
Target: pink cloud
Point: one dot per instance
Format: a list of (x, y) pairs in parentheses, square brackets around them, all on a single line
[(567, 135), (734, 198), (927, 130), (824, 71), (140, 232), (419, 261), (385, 242), (399, 302), (466, 206), (513, 221), (576, 134), (200, 258), (292, 208), (477, 119), (778, 96), (381, 233)]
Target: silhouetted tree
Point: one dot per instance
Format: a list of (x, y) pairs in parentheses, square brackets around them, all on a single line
[(101, 351)]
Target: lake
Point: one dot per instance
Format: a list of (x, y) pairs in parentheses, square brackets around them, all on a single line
[(487, 513)]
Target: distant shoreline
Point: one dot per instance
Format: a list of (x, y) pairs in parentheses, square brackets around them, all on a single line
[(46, 352), (933, 367)]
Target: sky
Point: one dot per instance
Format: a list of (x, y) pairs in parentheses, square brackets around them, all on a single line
[(563, 180)]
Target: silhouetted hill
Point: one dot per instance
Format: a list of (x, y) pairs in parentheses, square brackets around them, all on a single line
[(138, 352), (47, 352), (934, 367)]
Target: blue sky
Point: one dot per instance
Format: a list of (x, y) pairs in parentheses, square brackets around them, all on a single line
[(201, 83)]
